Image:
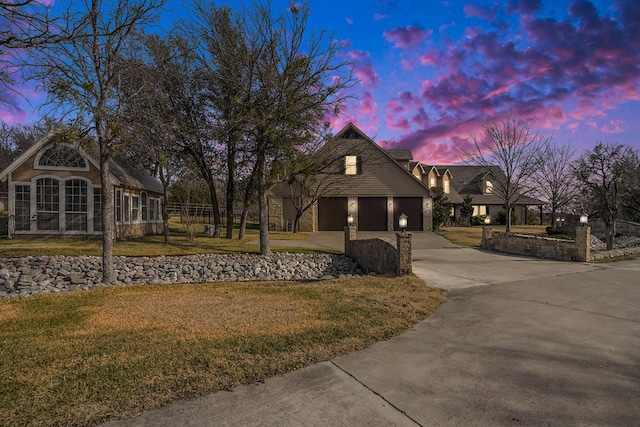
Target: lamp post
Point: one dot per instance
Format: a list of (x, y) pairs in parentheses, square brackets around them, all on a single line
[(584, 219), (487, 220), (350, 220), (402, 222)]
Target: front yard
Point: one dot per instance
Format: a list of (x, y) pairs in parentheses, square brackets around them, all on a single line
[(83, 358)]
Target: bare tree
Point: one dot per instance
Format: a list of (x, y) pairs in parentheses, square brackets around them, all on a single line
[(84, 75), (603, 174), (511, 147), (554, 177), (292, 78)]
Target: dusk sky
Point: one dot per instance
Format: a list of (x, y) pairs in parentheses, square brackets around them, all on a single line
[(433, 72)]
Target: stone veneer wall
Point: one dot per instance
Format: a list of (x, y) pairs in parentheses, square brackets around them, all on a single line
[(540, 247), (563, 250), (375, 255)]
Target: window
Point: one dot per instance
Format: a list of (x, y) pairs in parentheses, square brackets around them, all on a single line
[(47, 204), (97, 209), (145, 209), (62, 157), (479, 210), (432, 181), (446, 184), (125, 208), (152, 209), (23, 207), (488, 187), (352, 165), (118, 206), (75, 205), (135, 208), (158, 211)]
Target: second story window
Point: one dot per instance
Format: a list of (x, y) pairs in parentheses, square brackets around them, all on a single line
[(488, 187), (352, 165)]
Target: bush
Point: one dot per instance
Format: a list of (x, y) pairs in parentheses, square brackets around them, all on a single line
[(502, 217)]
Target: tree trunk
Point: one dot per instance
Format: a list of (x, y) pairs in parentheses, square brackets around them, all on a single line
[(243, 221), (231, 163), (508, 229), (165, 200), (263, 208), (108, 270)]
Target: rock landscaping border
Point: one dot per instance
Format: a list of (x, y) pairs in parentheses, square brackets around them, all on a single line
[(20, 277)]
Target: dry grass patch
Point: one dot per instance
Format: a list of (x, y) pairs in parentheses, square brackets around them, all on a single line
[(83, 358)]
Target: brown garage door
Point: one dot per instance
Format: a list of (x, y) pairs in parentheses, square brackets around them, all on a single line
[(372, 213), (411, 207), (332, 214)]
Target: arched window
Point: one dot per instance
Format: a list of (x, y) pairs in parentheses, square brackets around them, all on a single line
[(62, 157)]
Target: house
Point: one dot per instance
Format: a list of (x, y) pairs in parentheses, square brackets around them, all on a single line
[(54, 189), (477, 181), (372, 185)]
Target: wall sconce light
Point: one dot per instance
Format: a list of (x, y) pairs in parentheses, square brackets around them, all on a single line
[(584, 219), (402, 222), (487, 220), (350, 220)]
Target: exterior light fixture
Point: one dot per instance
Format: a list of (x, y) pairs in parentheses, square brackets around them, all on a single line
[(402, 222), (350, 220), (584, 219), (487, 220)]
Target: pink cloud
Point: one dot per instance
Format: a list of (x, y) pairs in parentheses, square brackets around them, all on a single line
[(368, 105), (410, 36), (380, 16), (614, 126), (363, 68), (349, 21), (471, 10)]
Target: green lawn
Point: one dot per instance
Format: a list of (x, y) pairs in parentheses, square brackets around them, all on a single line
[(80, 359), (146, 246)]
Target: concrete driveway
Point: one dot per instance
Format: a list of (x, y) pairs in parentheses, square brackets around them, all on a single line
[(520, 342)]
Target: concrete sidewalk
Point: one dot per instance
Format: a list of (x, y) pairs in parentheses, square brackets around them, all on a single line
[(548, 343)]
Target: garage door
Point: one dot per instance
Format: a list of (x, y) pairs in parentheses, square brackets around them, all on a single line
[(411, 207), (372, 213), (332, 214)]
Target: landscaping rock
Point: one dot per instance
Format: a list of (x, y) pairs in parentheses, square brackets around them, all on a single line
[(39, 275)]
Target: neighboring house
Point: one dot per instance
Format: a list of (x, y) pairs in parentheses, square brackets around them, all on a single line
[(54, 189), (476, 181), (371, 184)]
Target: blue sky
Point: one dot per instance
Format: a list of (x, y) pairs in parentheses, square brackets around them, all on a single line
[(433, 72)]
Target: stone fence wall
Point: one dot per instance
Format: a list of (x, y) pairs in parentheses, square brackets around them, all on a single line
[(379, 256), (540, 247)]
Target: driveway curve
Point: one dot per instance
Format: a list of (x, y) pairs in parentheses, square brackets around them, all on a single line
[(520, 341)]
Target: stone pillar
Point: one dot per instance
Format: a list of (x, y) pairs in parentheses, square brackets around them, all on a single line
[(403, 241), (583, 244), (349, 235), (487, 234)]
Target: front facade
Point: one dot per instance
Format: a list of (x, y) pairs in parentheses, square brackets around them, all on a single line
[(479, 182), (371, 185), (54, 189)]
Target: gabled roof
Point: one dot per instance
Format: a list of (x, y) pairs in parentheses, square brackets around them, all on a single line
[(351, 131), (122, 173), (400, 155)]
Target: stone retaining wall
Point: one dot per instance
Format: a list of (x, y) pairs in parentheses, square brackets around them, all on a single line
[(625, 228), (377, 255), (37, 275), (563, 250)]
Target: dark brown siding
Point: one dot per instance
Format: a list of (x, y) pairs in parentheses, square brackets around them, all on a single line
[(372, 213), (411, 207), (332, 214)]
